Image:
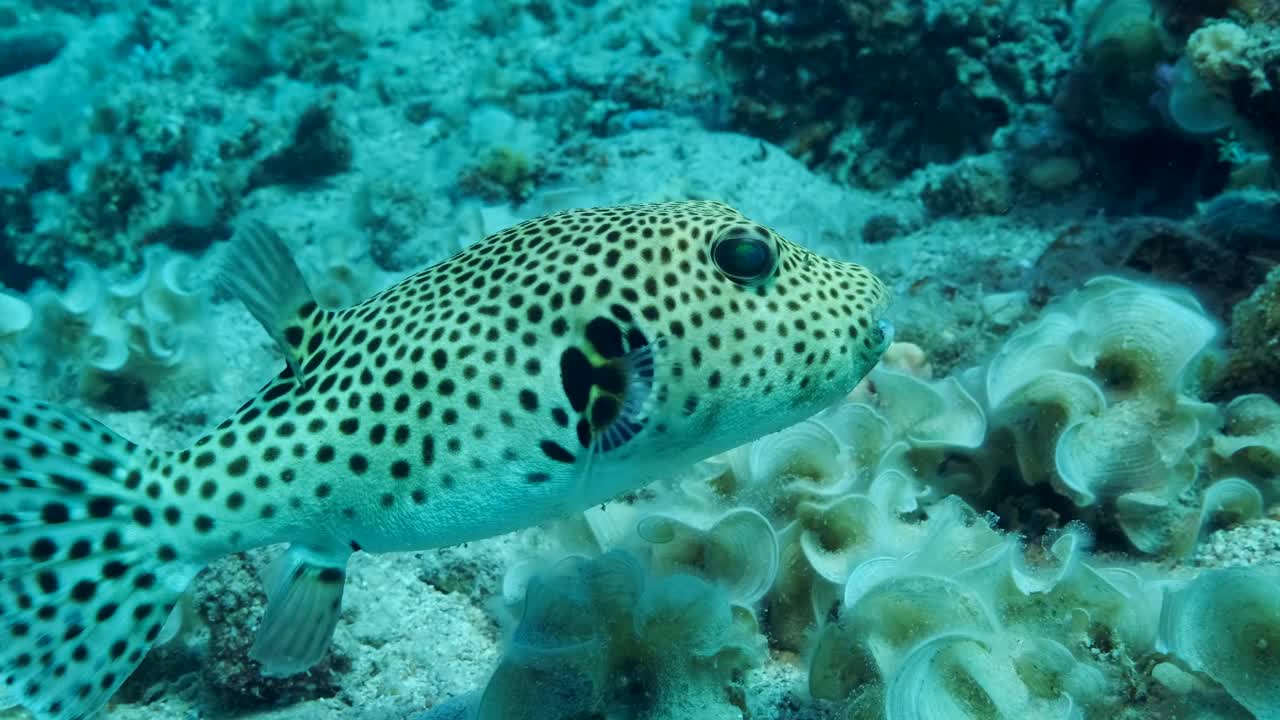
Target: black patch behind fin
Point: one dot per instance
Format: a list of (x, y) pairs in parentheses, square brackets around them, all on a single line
[(613, 389), (624, 393), (258, 268)]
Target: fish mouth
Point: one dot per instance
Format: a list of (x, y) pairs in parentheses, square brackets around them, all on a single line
[(880, 336), (886, 333)]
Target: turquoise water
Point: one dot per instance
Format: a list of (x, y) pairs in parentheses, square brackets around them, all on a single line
[(666, 490)]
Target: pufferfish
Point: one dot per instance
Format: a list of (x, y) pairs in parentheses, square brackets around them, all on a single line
[(546, 369)]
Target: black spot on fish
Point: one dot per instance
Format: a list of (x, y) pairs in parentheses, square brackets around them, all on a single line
[(604, 411), (277, 391), (576, 378), (556, 451), (610, 378), (331, 576), (606, 337)]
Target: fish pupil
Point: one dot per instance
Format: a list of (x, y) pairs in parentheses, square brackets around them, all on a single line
[(744, 259)]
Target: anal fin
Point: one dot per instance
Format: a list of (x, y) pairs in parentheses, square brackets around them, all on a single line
[(304, 598)]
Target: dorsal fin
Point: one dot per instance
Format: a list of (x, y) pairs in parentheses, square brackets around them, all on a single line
[(258, 268)]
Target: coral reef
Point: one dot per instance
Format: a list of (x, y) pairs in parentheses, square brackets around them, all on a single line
[(944, 80), (15, 317), (229, 603), (844, 534), (1230, 65), (1254, 362), (598, 636), (960, 627), (1068, 392), (969, 626), (1248, 447), (114, 340), (111, 157), (1186, 81), (1036, 530)]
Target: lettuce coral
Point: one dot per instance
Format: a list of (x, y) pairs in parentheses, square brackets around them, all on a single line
[(860, 539), (114, 337), (966, 628), (1226, 623), (1099, 398), (1249, 444), (1217, 52), (596, 636)]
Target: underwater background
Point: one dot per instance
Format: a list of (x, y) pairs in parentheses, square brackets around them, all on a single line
[(1057, 496)]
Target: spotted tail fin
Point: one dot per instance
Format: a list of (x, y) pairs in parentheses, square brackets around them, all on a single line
[(87, 573)]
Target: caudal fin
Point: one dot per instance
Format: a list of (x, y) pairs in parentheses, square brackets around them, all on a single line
[(88, 570)]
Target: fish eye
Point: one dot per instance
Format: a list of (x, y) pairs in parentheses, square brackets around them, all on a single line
[(745, 257)]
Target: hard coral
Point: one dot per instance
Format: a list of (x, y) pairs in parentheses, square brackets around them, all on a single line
[(1100, 399), (1254, 362), (319, 147), (229, 601), (311, 40), (1229, 71), (1217, 52), (927, 86), (966, 623)]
